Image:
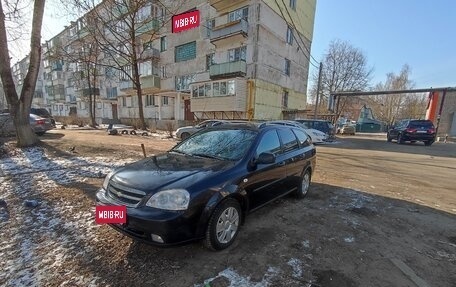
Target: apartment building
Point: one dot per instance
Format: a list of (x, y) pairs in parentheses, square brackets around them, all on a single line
[(248, 59)]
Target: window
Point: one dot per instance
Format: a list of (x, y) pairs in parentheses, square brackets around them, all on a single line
[(185, 52), (293, 4), (290, 35), (165, 100), (98, 105), (231, 88), (209, 61), (145, 68), (150, 100), (124, 101), (242, 13), (303, 138), (163, 44), (237, 54), (287, 67), (183, 82), (163, 71), (289, 141), (209, 25), (216, 89), (111, 93), (269, 143), (285, 99), (143, 13)]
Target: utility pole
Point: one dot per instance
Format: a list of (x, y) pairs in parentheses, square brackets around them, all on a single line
[(318, 90)]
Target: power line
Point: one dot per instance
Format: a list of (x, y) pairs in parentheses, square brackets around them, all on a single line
[(297, 42), (299, 35)]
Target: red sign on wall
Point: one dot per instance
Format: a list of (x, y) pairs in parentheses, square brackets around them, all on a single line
[(186, 21), (110, 214)]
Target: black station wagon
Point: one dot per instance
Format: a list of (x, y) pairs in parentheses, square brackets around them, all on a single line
[(205, 186)]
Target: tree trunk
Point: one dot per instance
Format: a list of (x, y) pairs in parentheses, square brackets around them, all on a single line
[(20, 107)]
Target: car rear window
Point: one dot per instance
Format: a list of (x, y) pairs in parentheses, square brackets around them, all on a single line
[(419, 124)]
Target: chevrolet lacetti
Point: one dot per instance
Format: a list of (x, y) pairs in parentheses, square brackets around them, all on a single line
[(205, 186)]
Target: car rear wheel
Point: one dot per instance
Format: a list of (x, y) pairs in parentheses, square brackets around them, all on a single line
[(184, 136), (223, 225), (388, 138), (428, 143), (400, 140), (40, 133), (303, 188)]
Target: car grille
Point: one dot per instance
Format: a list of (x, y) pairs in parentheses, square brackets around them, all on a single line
[(126, 195)]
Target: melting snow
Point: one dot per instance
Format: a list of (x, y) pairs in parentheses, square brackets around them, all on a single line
[(296, 265), (36, 241), (236, 279)]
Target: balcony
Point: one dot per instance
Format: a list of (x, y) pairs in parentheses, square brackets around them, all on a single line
[(149, 84), (226, 5), (93, 91), (150, 54), (229, 69), (149, 28), (235, 31)]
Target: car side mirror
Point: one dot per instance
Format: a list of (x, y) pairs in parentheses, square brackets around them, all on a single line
[(265, 158)]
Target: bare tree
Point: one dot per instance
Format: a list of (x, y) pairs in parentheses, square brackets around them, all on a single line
[(125, 30), (393, 107), (344, 69), (19, 106)]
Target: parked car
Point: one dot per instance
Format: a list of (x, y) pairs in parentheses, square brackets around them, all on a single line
[(205, 186), (315, 135), (42, 112), (184, 132), (39, 125), (413, 131), (324, 126), (347, 129)]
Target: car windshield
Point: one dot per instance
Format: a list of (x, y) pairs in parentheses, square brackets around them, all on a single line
[(224, 144)]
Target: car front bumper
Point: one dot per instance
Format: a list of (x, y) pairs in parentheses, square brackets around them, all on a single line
[(173, 227)]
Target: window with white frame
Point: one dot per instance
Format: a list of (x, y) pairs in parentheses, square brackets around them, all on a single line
[(293, 4), (183, 82), (163, 44), (150, 100), (290, 35), (165, 100), (241, 13), (237, 54), (214, 89)]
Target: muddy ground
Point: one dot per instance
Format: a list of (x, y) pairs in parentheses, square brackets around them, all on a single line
[(378, 214)]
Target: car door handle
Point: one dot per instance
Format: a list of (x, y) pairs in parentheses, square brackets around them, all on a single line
[(282, 163)]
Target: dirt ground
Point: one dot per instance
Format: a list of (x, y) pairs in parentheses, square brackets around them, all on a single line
[(377, 214)]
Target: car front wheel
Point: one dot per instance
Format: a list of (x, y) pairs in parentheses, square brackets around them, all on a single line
[(400, 140), (224, 225), (388, 138), (303, 188)]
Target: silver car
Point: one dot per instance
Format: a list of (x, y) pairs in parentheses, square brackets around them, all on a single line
[(184, 132), (39, 125)]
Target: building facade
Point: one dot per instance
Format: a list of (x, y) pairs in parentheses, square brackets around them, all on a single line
[(248, 59)]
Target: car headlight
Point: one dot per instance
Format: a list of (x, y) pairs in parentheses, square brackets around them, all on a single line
[(171, 199), (106, 180)]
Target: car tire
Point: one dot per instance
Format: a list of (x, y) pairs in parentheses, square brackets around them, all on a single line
[(40, 133), (388, 138), (184, 136), (304, 184), (400, 140), (428, 143), (223, 226)]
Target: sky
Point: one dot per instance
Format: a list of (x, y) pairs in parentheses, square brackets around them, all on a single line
[(391, 33)]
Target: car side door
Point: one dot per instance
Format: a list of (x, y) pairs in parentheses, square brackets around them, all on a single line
[(265, 179)]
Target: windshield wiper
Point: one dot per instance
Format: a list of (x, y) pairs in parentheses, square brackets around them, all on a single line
[(178, 151), (208, 156)]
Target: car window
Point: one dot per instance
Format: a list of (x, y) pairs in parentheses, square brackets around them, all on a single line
[(269, 143), (288, 138), (229, 144), (303, 138), (421, 124), (307, 125)]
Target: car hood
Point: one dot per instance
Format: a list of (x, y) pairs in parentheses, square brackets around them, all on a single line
[(168, 170)]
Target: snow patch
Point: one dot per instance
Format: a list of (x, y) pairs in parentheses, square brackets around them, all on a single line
[(296, 265)]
